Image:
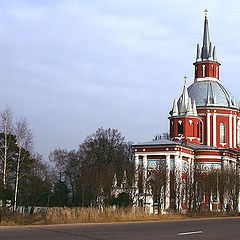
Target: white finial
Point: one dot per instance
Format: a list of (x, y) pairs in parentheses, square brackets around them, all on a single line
[(189, 107), (175, 108), (194, 108)]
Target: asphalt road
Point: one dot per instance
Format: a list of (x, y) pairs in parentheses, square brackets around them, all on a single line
[(224, 228)]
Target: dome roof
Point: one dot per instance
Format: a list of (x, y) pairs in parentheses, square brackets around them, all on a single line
[(210, 93)]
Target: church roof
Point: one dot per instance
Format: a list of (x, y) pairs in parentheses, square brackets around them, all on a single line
[(207, 93), (162, 141)]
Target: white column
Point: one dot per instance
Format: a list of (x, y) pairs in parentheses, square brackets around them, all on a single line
[(144, 172), (136, 158), (178, 180), (234, 131), (167, 206), (208, 129), (214, 130), (230, 131)]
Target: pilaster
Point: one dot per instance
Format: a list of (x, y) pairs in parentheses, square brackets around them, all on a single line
[(230, 131), (167, 206), (208, 129), (214, 130)]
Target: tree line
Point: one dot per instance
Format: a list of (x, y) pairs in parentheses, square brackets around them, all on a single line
[(25, 178), (70, 177)]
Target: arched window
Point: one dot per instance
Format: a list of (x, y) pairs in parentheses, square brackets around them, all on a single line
[(213, 71), (180, 128), (203, 70), (216, 72), (201, 132), (200, 191), (222, 132), (198, 130)]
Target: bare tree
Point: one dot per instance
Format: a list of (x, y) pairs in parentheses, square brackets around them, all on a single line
[(158, 184), (24, 141), (60, 158), (6, 128)]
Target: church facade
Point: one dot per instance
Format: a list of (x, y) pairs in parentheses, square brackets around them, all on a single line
[(204, 131)]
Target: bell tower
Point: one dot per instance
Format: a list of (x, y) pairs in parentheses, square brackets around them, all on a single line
[(206, 65)]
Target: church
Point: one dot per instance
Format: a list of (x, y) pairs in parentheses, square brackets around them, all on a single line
[(204, 131)]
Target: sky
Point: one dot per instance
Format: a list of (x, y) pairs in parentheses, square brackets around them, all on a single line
[(72, 66)]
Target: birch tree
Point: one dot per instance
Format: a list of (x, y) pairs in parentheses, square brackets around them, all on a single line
[(6, 128), (24, 141)]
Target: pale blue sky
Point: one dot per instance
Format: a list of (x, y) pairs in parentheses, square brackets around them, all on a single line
[(72, 66)]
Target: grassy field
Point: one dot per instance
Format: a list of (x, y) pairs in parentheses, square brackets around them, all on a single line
[(94, 215)]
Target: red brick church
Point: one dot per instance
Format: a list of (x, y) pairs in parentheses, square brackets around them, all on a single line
[(204, 129)]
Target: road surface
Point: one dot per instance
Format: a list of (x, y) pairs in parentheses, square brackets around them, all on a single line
[(221, 228)]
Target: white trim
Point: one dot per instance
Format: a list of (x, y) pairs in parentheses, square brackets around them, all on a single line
[(144, 172), (217, 114), (208, 130), (175, 153), (223, 144), (214, 130), (207, 79), (191, 138), (208, 156), (168, 166), (230, 131), (234, 131)]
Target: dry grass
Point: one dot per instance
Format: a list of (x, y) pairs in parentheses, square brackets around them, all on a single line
[(95, 215), (13, 219)]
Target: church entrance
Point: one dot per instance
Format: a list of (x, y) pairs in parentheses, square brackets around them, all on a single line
[(123, 200)]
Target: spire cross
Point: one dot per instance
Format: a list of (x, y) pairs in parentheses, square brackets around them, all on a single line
[(185, 79), (206, 12)]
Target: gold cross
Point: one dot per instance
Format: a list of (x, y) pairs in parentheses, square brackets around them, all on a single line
[(185, 79), (206, 11)]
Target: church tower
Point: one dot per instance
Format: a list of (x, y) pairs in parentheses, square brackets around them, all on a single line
[(206, 113), (206, 65)]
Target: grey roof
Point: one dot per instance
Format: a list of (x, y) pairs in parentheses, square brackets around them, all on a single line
[(194, 146), (200, 146), (206, 41), (158, 142), (210, 93)]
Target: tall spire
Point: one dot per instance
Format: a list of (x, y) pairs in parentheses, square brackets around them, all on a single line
[(206, 38), (184, 99)]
